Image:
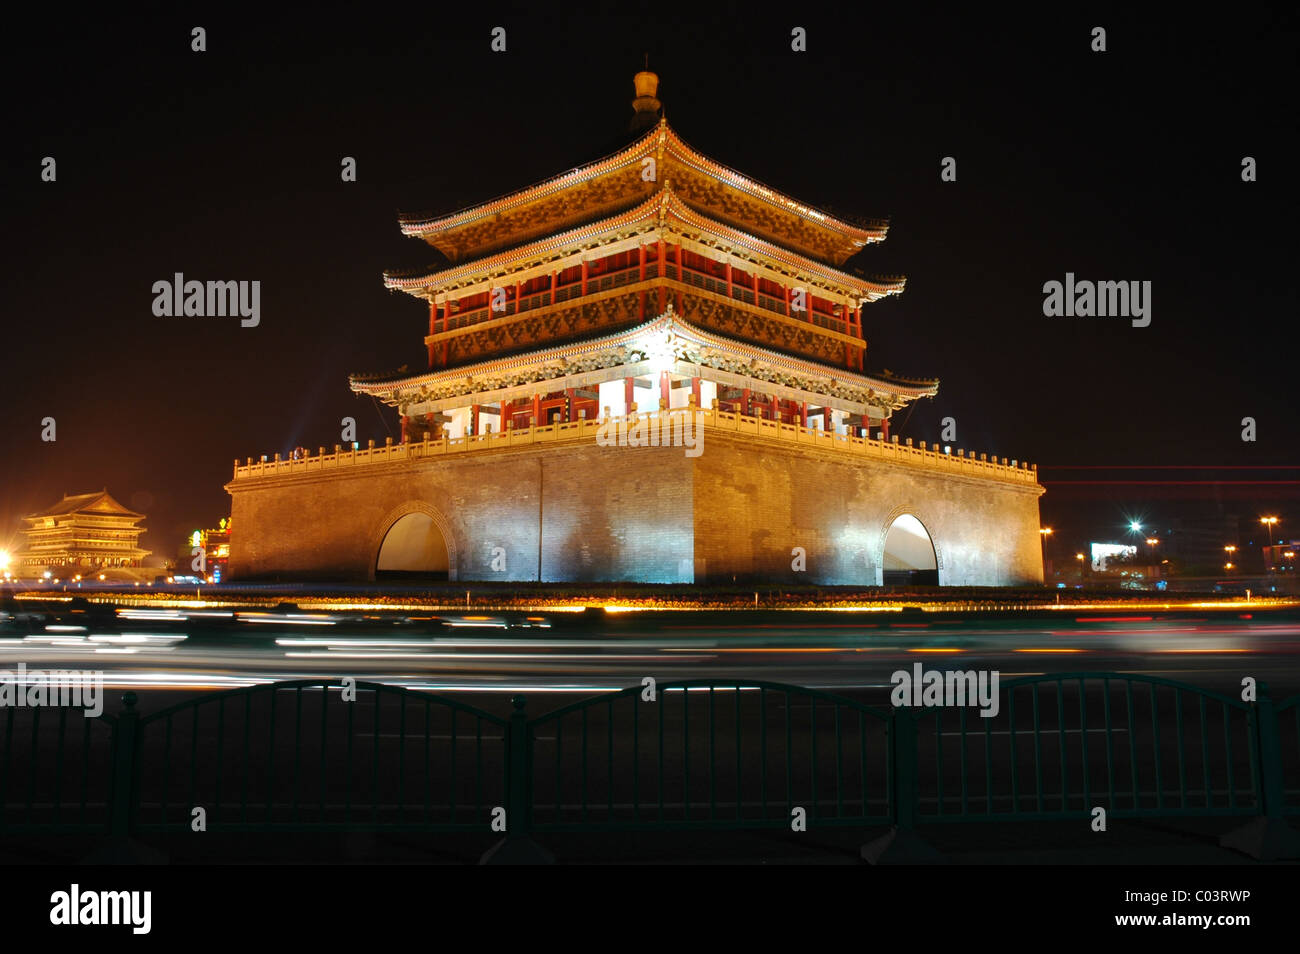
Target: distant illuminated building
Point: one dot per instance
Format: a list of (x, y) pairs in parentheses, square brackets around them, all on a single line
[(85, 530), (1103, 553), (215, 544), (1280, 557)]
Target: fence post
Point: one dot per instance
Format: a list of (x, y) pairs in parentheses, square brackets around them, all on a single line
[(518, 847), (519, 809), (901, 845), (119, 848), (1270, 753), (124, 752), (903, 752), (1266, 837)]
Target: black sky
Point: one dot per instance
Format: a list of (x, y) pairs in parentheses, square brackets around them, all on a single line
[(225, 165)]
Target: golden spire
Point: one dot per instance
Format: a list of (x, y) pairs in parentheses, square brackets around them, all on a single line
[(645, 105)]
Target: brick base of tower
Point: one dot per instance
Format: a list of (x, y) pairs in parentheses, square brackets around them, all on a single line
[(646, 514)]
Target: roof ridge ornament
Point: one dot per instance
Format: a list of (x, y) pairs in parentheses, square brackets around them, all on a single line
[(647, 110)]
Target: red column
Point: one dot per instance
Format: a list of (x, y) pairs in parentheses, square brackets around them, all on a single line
[(568, 405), (744, 402), (728, 278), (855, 324), (537, 410), (403, 428), (473, 418), (695, 390), (826, 419), (642, 275), (665, 388), (628, 392), (584, 277), (884, 426), (518, 288), (434, 328), (803, 414)]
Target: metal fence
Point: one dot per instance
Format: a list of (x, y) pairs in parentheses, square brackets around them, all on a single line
[(318, 755), (331, 755), (1288, 756), (704, 754), (1061, 746)]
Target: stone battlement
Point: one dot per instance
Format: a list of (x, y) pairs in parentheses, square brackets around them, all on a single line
[(585, 432)]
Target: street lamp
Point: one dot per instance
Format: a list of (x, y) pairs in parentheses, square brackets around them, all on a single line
[(1269, 522)]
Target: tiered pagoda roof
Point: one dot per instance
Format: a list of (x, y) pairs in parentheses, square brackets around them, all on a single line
[(655, 229), (665, 210), (615, 183), (100, 503), (565, 366)]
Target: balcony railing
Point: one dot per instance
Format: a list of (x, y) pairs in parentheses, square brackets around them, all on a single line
[(584, 431), (632, 274)]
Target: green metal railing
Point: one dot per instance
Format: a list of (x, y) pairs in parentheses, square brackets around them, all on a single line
[(1061, 746), (56, 771), (1288, 742), (298, 756), (705, 754)]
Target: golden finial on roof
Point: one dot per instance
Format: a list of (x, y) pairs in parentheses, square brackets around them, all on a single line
[(646, 106)]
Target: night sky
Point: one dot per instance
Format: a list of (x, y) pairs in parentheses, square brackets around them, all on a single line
[(224, 165)]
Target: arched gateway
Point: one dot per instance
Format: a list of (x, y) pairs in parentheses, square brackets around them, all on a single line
[(416, 545), (909, 557)]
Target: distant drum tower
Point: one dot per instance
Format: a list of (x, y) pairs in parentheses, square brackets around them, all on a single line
[(650, 368)]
